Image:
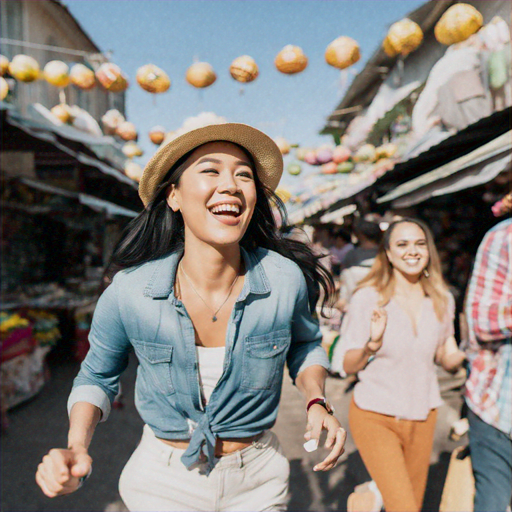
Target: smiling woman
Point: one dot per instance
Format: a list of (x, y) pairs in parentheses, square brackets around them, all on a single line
[(216, 301)]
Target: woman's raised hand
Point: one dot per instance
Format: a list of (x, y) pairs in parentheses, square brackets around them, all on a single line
[(61, 470), (377, 327)]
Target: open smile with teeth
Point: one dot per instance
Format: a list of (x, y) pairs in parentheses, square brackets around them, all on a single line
[(226, 209), (412, 261)]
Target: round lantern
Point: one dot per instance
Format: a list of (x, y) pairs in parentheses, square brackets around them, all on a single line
[(300, 153), (131, 150), (342, 52), (244, 69), (56, 73), (385, 151), (329, 168), (403, 37), (201, 75), (366, 153), (82, 77), (345, 167), (127, 131), (310, 158), (4, 65), (111, 77), (153, 79), (291, 60), (24, 68), (157, 135), (111, 120), (283, 194), (341, 154), (294, 168), (133, 170), (4, 88), (283, 145), (458, 23), (323, 155), (63, 113)]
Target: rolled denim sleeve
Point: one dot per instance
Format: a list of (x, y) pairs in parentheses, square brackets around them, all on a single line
[(306, 345), (98, 379)]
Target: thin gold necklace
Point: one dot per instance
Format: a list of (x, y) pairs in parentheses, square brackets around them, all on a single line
[(214, 317)]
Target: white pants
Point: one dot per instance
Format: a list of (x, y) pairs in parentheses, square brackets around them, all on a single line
[(252, 479)]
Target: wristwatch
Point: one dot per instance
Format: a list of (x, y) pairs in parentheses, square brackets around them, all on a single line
[(320, 401)]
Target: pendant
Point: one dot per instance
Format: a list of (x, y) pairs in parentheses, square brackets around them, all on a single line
[(214, 318)]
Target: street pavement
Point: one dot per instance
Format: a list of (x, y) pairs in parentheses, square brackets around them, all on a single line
[(41, 424)]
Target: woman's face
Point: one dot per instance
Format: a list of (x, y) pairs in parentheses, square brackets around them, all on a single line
[(216, 194), (408, 249)]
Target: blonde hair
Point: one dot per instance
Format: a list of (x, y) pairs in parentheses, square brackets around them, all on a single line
[(382, 278)]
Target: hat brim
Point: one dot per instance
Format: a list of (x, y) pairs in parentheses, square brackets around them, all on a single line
[(264, 151)]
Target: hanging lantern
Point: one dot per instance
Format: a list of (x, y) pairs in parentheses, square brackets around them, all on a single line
[(153, 79), (127, 131), (111, 120), (300, 153), (310, 158), (291, 60), (323, 155), (385, 151), (283, 194), (294, 168), (4, 88), (283, 145), (63, 113), (403, 37), (82, 77), (24, 68), (111, 77), (244, 69), (329, 168), (131, 150), (200, 75), (133, 170), (341, 154), (345, 167), (56, 73), (458, 23), (4, 65), (342, 52), (366, 153), (157, 135)]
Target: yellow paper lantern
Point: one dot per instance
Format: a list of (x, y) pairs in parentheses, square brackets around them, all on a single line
[(82, 77), (56, 73), (4, 88), (133, 170), (111, 77), (458, 23), (63, 113), (24, 68), (244, 69), (283, 145), (283, 194), (342, 52), (4, 65), (153, 79), (403, 37), (157, 135), (291, 60), (132, 149), (127, 131), (111, 120), (200, 75)]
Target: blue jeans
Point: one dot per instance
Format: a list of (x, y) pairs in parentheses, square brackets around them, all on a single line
[(491, 457)]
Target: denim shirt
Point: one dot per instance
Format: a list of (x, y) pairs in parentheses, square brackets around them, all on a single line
[(270, 325)]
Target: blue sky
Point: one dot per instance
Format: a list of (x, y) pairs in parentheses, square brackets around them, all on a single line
[(174, 33)]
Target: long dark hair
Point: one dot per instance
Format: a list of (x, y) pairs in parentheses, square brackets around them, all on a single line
[(158, 231)]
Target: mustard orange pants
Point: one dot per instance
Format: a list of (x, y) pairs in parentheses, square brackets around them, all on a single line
[(396, 453)]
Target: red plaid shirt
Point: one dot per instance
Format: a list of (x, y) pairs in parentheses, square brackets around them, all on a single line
[(489, 316)]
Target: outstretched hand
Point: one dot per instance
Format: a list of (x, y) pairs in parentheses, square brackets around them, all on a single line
[(61, 470), (319, 419)]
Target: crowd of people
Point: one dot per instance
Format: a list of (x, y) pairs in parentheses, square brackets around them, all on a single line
[(216, 301)]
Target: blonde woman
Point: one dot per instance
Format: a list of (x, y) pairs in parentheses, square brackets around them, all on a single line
[(398, 325)]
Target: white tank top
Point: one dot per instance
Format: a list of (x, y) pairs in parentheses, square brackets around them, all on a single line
[(211, 365)]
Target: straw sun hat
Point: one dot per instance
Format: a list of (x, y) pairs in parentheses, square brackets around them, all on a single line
[(265, 153)]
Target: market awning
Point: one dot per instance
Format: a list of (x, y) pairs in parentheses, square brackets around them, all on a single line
[(475, 168), (92, 202), (338, 215)]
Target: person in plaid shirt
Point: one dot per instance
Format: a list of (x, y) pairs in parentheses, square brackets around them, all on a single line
[(489, 386)]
